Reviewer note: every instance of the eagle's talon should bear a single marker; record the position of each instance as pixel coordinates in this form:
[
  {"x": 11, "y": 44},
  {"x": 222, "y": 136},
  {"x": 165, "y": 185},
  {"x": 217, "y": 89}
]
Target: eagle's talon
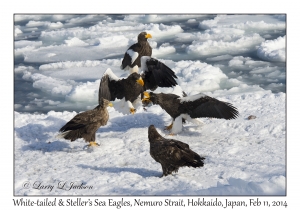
[
  {"x": 169, "y": 127},
  {"x": 93, "y": 144},
  {"x": 132, "y": 110}
]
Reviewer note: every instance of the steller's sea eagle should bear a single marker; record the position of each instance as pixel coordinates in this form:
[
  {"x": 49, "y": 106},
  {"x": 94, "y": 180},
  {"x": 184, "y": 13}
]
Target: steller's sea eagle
[
  {"x": 155, "y": 74},
  {"x": 132, "y": 57},
  {"x": 171, "y": 154},
  {"x": 190, "y": 107},
  {"x": 85, "y": 124}
]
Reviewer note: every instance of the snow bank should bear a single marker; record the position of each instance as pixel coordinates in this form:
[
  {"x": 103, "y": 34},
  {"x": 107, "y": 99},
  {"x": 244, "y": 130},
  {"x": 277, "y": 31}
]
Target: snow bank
[
  {"x": 252, "y": 23},
  {"x": 273, "y": 50},
  {"x": 196, "y": 77},
  {"x": 115, "y": 41},
  {"x": 159, "y": 18},
  {"x": 49, "y": 84},
  {"x": 210, "y": 47},
  {"x": 163, "y": 50},
  {"x": 47, "y": 24},
  {"x": 26, "y": 43},
  {"x": 87, "y": 93},
  {"x": 75, "y": 42}
]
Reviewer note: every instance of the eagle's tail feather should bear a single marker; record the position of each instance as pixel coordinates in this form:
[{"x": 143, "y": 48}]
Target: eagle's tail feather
[
  {"x": 197, "y": 161},
  {"x": 69, "y": 135}
]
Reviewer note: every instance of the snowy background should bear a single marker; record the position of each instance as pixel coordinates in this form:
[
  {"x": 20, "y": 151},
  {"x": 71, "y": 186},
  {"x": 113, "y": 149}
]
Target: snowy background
[{"x": 58, "y": 63}]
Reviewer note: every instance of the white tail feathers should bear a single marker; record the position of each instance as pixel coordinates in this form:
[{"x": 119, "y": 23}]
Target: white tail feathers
[
  {"x": 195, "y": 121},
  {"x": 62, "y": 135}
]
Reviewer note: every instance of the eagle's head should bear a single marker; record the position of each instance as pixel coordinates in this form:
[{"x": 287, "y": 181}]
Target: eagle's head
[
  {"x": 144, "y": 36},
  {"x": 153, "y": 135},
  {"x": 150, "y": 97},
  {"x": 105, "y": 103},
  {"x": 135, "y": 78}
]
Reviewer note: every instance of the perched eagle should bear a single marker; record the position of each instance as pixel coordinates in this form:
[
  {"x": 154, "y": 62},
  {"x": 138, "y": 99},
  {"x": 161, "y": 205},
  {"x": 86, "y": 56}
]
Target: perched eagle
[
  {"x": 155, "y": 74},
  {"x": 132, "y": 57},
  {"x": 190, "y": 107},
  {"x": 171, "y": 154},
  {"x": 84, "y": 125}
]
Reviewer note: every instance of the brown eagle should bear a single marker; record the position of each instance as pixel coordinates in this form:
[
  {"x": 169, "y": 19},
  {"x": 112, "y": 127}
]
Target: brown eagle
[
  {"x": 171, "y": 154},
  {"x": 85, "y": 124},
  {"x": 132, "y": 57}
]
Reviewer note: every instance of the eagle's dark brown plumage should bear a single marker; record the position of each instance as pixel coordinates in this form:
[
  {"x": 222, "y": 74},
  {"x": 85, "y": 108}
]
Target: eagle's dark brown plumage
[
  {"x": 155, "y": 74},
  {"x": 190, "y": 107},
  {"x": 132, "y": 57},
  {"x": 127, "y": 89},
  {"x": 171, "y": 154},
  {"x": 84, "y": 125}
]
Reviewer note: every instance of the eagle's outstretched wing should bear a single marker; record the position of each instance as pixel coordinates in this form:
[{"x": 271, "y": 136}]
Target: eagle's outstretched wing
[
  {"x": 156, "y": 74},
  {"x": 109, "y": 86},
  {"x": 201, "y": 105}
]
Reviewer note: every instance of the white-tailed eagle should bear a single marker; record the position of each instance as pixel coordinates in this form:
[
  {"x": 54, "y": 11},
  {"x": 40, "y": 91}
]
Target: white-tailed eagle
[
  {"x": 171, "y": 154},
  {"x": 85, "y": 124}
]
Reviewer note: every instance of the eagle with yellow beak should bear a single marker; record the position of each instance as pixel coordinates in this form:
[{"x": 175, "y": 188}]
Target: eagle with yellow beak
[
  {"x": 85, "y": 124},
  {"x": 132, "y": 57},
  {"x": 155, "y": 74},
  {"x": 190, "y": 107}
]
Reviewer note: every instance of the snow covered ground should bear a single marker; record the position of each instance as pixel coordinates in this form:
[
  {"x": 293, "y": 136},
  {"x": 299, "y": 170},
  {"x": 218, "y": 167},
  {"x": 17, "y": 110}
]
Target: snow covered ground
[
  {"x": 237, "y": 59},
  {"x": 243, "y": 157}
]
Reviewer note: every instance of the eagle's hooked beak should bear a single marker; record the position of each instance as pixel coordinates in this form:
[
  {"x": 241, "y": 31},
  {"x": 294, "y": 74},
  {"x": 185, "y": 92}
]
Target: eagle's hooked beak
[
  {"x": 110, "y": 104},
  {"x": 140, "y": 81},
  {"x": 148, "y": 36},
  {"x": 146, "y": 96}
]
